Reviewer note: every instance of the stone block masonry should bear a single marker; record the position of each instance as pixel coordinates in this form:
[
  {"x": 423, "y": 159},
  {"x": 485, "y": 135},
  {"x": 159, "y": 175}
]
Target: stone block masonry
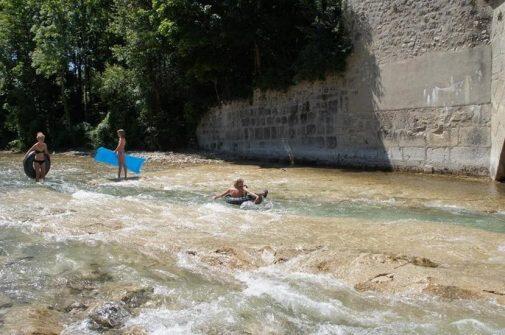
[
  {"x": 417, "y": 95},
  {"x": 497, "y": 157},
  {"x": 320, "y": 128}
]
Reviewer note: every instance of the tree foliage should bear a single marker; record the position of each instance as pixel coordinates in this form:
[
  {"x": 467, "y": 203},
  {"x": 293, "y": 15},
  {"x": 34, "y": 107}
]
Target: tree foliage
[{"x": 79, "y": 69}]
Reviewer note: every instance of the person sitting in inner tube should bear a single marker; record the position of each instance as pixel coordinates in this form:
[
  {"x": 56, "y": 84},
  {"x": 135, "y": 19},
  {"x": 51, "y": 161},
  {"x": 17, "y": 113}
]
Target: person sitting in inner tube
[
  {"x": 39, "y": 163},
  {"x": 239, "y": 194}
]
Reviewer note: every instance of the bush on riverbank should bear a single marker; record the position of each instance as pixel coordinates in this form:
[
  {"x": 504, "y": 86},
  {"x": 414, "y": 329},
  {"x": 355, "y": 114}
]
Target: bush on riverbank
[{"x": 80, "y": 70}]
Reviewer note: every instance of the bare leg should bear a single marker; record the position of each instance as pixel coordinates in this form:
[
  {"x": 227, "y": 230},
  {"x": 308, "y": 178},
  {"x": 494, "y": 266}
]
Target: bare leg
[
  {"x": 121, "y": 165},
  {"x": 42, "y": 168},
  {"x": 125, "y": 172},
  {"x": 37, "y": 172}
]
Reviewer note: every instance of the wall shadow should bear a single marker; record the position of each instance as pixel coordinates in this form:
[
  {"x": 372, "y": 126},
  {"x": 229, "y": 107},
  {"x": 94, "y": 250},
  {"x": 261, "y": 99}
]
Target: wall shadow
[
  {"x": 331, "y": 123},
  {"x": 363, "y": 130}
]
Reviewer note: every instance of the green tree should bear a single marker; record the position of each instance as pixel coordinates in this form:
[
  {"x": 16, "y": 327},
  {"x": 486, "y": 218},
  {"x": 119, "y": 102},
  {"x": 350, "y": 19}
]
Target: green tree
[
  {"x": 121, "y": 95},
  {"x": 28, "y": 100},
  {"x": 80, "y": 69},
  {"x": 73, "y": 44},
  {"x": 72, "y": 47},
  {"x": 150, "y": 57}
]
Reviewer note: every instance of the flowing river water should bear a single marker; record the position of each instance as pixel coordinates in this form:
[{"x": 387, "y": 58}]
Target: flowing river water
[{"x": 329, "y": 252}]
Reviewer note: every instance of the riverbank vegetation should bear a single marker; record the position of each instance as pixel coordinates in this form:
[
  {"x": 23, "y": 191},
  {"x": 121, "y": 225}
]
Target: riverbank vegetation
[{"x": 79, "y": 69}]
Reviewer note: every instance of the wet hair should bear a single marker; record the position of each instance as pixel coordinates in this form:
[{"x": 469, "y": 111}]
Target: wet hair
[
  {"x": 121, "y": 133},
  {"x": 236, "y": 182},
  {"x": 40, "y": 135}
]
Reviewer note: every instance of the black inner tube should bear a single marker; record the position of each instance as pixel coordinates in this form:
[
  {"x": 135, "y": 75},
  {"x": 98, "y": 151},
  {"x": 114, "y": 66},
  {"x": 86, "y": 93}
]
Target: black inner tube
[
  {"x": 28, "y": 164},
  {"x": 238, "y": 200}
]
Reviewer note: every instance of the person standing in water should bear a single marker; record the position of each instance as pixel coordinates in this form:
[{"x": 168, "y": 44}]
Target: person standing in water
[
  {"x": 39, "y": 163},
  {"x": 239, "y": 194},
  {"x": 120, "y": 152}
]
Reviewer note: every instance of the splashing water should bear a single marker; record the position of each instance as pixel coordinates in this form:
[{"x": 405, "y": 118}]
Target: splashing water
[{"x": 329, "y": 252}]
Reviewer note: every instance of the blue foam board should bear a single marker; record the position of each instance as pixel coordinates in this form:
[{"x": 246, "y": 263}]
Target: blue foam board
[{"x": 107, "y": 156}]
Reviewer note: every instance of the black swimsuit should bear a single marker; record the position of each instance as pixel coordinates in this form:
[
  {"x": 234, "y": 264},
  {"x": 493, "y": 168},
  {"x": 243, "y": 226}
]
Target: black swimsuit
[{"x": 36, "y": 160}]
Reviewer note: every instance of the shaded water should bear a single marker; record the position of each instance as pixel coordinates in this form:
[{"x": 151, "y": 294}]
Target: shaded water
[{"x": 290, "y": 266}]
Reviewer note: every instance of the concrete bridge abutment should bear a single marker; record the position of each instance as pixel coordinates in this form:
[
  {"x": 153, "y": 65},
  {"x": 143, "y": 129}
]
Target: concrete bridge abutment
[{"x": 424, "y": 91}]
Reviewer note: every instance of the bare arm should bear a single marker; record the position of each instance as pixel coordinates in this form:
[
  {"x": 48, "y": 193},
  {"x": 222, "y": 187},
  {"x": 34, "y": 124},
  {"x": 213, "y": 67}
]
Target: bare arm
[
  {"x": 222, "y": 195},
  {"x": 46, "y": 151},
  {"x": 30, "y": 150},
  {"x": 251, "y": 193},
  {"x": 118, "y": 146}
]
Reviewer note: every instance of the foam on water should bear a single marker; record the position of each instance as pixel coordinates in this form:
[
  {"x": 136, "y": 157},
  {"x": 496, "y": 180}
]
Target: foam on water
[
  {"x": 214, "y": 208},
  {"x": 394, "y": 328},
  {"x": 159, "y": 322},
  {"x": 81, "y": 327},
  {"x": 265, "y": 294},
  {"x": 455, "y": 209},
  {"x": 91, "y": 197},
  {"x": 473, "y": 326},
  {"x": 194, "y": 265},
  {"x": 284, "y": 295},
  {"x": 192, "y": 295},
  {"x": 250, "y": 205}
]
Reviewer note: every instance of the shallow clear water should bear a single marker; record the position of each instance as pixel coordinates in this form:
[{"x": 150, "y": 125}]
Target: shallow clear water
[{"x": 215, "y": 268}]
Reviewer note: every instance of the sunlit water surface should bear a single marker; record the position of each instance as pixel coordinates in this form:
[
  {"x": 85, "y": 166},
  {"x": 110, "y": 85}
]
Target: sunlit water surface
[{"x": 145, "y": 231}]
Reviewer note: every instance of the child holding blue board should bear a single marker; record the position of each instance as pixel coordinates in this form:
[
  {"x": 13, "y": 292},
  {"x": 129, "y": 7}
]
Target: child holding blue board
[
  {"x": 121, "y": 153},
  {"x": 119, "y": 158}
]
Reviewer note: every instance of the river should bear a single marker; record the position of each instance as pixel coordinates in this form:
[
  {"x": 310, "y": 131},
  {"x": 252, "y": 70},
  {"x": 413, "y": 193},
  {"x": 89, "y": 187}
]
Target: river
[{"x": 330, "y": 252}]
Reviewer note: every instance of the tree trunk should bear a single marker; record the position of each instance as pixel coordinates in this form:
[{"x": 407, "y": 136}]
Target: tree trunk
[
  {"x": 82, "y": 115},
  {"x": 217, "y": 92},
  {"x": 257, "y": 59}
]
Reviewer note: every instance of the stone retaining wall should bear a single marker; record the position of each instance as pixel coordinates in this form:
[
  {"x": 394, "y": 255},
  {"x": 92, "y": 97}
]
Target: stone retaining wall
[
  {"x": 416, "y": 95},
  {"x": 497, "y": 167}
]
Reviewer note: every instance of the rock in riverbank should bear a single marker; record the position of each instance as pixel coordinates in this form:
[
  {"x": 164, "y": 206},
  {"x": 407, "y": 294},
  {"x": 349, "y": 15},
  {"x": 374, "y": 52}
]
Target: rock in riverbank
[
  {"x": 38, "y": 320},
  {"x": 108, "y": 316},
  {"x": 131, "y": 295}
]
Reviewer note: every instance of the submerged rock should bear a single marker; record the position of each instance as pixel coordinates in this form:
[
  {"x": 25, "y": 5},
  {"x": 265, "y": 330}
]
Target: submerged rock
[
  {"x": 108, "y": 316},
  {"x": 134, "y": 330},
  {"x": 88, "y": 281},
  {"x": 376, "y": 283},
  {"x": 5, "y": 302},
  {"x": 76, "y": 306},
  {"x": 228, "y": 257},
  {"x": 32, "y": 321},
  {"x": 417, "y": 261},
  {"x": 131, "y": 295},
  {"x": 450, "y": 292},
  {"x": 137, "y": 297}
]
